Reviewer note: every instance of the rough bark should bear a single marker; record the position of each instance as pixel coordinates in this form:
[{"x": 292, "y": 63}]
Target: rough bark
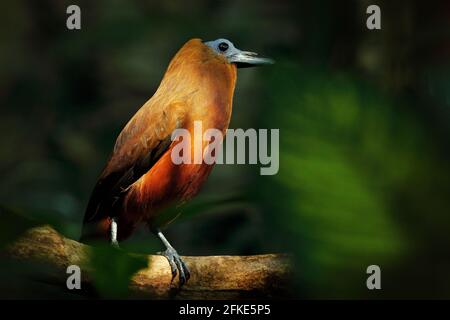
[{"x": 212, "y": 277}]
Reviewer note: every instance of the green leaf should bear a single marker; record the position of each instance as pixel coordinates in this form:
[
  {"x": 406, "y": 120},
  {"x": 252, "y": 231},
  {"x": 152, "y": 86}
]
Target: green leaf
[{"x": 112, "y": 270}]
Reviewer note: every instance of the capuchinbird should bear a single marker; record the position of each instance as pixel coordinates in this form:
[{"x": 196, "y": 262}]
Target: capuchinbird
[{"x": 140, "y": 178}]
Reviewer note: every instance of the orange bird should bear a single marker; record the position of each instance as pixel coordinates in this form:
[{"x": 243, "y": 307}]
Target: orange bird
[{"x": 140, "y": 178}]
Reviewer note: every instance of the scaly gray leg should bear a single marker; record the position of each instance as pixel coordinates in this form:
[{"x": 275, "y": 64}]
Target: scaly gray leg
[
  {"x": 174, "y": 259},
  {"x": 113, "y": 235}
]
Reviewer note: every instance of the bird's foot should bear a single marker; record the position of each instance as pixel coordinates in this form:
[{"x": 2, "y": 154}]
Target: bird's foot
[
  {"x": 177, "y": 265},
  {"x": 115, "y": 244}
]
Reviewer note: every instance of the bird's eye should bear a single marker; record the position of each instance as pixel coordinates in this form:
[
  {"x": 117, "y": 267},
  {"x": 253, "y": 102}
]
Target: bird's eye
[{"x": 223, "y": 46}]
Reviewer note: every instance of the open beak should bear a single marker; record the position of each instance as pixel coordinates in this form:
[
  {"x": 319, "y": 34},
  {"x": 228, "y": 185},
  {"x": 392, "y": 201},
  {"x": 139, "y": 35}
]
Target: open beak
[{"x": 245, "y": 59}]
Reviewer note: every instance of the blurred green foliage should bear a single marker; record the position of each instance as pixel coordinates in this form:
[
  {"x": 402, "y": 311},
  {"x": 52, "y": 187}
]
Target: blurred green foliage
[
  {"x": 364, "y": 119},
  {"x": 17, "y": 225},
  {"x": 113, "y": 269},
  {"x": 353, "y": 165}
]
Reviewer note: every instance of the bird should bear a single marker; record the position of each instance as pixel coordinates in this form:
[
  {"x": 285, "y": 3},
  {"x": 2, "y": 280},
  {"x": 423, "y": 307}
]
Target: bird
[{"x": 140, "y": 179}]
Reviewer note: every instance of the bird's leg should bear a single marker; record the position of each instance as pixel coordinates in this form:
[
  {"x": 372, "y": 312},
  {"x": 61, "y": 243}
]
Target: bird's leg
[
  {"x": 174, "y": 259},
  {"x": 113, "y": 235}
]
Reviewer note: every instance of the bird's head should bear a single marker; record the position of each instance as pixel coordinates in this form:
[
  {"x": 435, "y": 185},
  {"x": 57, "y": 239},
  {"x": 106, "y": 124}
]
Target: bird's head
[{"x": 242, "y": 59}]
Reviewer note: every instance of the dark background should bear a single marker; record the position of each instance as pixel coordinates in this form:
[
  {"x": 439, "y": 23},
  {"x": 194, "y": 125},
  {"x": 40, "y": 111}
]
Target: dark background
[{"x": 364, "y": 119}]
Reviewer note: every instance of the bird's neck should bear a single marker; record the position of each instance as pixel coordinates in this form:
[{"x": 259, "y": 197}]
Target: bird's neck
[{"x": 206, "y": 85}]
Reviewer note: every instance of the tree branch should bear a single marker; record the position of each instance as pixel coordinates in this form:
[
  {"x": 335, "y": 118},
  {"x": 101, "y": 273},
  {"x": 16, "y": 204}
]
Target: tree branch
[{"x": 212, "y": 277}]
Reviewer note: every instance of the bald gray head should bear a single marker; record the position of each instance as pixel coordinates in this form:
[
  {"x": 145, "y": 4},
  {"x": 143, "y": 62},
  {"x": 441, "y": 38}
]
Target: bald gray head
[{"x": 242, "y": 59}]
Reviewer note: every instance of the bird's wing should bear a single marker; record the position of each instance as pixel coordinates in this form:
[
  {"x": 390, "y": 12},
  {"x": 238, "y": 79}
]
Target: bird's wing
[{"x": 139, "y": 146}]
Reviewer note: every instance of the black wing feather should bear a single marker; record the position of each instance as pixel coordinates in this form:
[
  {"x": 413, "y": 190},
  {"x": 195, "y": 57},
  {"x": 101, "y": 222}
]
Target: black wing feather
[{"x": 111, "y": 187}]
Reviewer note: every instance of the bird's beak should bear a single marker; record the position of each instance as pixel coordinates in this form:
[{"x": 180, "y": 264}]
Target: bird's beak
[{"x": 245, "y": 59}]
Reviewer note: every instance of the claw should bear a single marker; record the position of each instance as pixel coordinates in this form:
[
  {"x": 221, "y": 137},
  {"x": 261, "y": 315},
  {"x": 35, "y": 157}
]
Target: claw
[
  {"x": 173, "y": 266},
  {"x": 177, "y": 266},
  {"x": 182, "y": 276},
  {"x": 187, "y": 272}
]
